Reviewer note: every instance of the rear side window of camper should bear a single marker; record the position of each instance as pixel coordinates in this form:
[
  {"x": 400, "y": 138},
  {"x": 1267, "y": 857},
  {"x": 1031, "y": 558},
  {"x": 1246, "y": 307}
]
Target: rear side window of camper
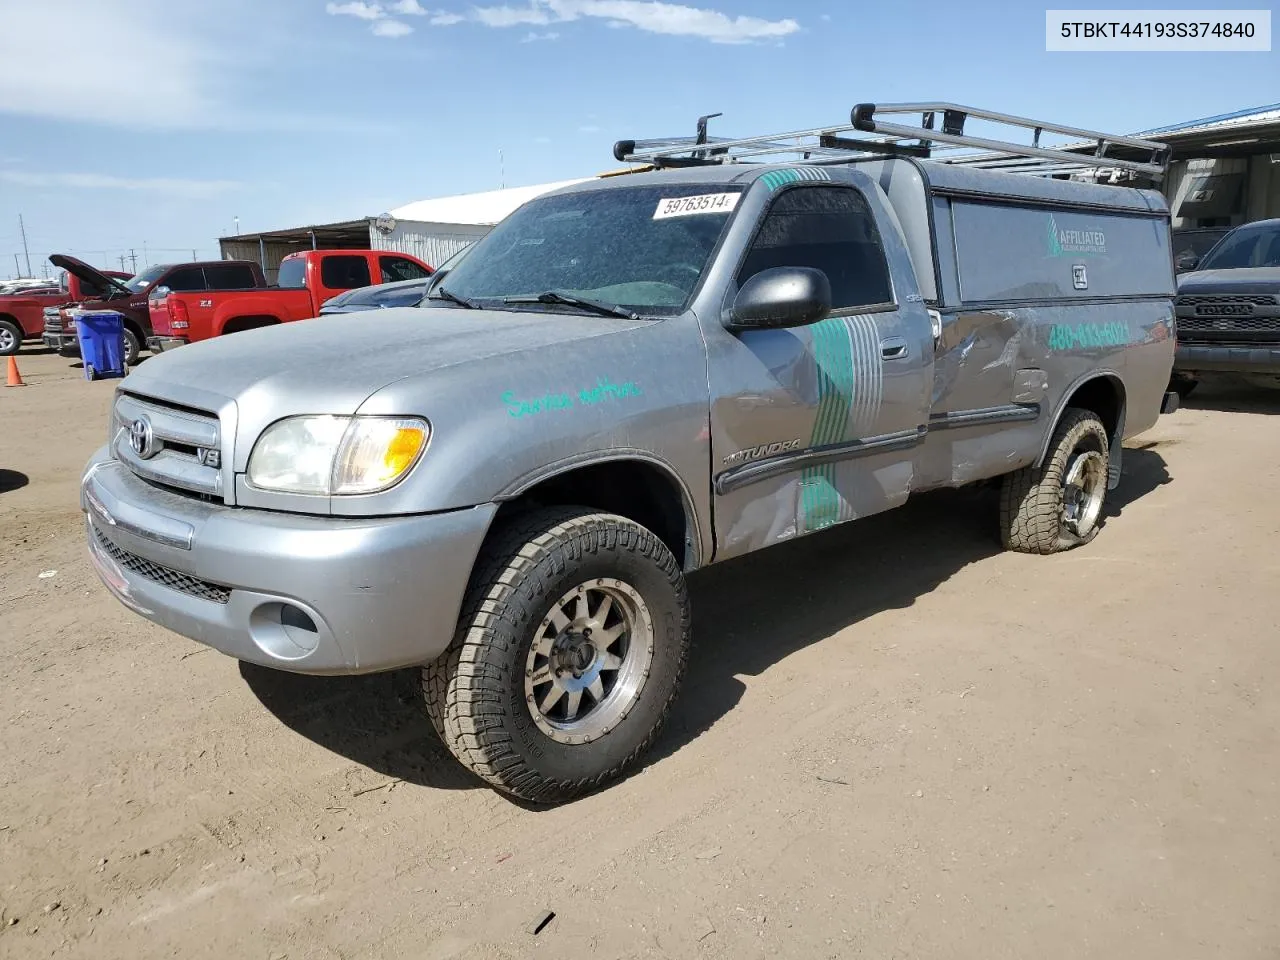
[{"x": 1011, "y": 253}]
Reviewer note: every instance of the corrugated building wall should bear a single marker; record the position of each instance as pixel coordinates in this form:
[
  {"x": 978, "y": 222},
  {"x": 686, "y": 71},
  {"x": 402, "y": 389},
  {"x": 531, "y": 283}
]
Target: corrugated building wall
[
  {"x": 249, "y": 250},
  {"x": 433, "y": 242}
]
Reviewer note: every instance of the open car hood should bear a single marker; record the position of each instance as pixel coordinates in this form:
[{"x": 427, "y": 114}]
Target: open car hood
[{"x": 86, "y": 273}]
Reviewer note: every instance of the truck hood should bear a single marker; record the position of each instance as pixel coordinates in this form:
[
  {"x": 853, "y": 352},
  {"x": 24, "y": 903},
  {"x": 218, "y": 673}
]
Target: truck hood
[
  {"x": 332, "y": 364},
  {"x": 86, "y": 273},
  {"x": 1252, "y": 280}
]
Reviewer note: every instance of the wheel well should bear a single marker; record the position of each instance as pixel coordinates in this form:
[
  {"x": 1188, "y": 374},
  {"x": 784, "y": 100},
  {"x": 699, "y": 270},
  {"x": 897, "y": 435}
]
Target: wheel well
[
  {"x": 1105, "y": 397},
  {"x": 634, "y": 489},
  {"x": 11, "y": 319},
  {"x": 239, "y": 324},
  {"x": 137, "y": 333}
]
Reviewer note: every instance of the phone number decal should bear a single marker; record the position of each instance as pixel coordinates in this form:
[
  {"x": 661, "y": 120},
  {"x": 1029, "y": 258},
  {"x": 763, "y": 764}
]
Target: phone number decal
[
  {"x": 703, "y": 203},
  {"x": 1121, "y": 30}
]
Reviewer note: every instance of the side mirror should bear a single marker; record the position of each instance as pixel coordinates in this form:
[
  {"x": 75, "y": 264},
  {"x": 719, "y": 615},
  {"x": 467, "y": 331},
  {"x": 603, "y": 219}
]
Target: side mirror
[
  {"x": 781, "y": 297},
  {"x": 1185, "y": 262},
  {"x": 159, "y": 293}
]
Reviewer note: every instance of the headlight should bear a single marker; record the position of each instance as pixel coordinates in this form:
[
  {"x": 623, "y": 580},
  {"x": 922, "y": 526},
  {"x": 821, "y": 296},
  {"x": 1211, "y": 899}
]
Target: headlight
[{"x": 337, "y": 455}]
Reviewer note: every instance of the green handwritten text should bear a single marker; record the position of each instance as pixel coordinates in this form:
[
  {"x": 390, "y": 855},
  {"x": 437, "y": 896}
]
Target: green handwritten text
[
  {"x": 602, "y": 391},
  {"x": 1085, "y": 336}
]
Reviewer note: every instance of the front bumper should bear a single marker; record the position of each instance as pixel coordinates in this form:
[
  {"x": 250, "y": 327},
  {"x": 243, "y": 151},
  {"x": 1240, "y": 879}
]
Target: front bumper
[
  {"x": 1227, "y": 358},
  {"x": 161, "y": 344},
  {"x": 62, "y": 342},
  {"x": 317, "y": 595}
]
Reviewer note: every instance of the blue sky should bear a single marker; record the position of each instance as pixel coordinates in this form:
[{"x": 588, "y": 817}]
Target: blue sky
[{"x": 126, "y": 123}]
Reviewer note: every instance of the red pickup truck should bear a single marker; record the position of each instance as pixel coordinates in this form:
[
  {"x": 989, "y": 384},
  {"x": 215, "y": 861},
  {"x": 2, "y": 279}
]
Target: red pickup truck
[
  {"x": 22, "y": 313},
  {"x": 306, "y": 280}
]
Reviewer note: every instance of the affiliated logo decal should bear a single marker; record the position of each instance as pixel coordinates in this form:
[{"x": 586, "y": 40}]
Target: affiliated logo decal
[
  {"x": 764, "y": 450},
  {"x": 142, "y": 439},
  {"x": 1061, "y": 241}
]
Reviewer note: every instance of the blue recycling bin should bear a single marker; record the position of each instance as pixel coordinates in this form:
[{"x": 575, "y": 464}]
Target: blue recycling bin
[{"x": 101, "y": 336}]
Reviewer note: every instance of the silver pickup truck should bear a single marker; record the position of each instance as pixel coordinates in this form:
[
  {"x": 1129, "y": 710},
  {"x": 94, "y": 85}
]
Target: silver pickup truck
[{"x": 625, "y": 381}]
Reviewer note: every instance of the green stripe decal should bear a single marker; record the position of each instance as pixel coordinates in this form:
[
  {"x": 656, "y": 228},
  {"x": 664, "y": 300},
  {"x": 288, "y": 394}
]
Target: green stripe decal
[{"x": 820, "y": 502}]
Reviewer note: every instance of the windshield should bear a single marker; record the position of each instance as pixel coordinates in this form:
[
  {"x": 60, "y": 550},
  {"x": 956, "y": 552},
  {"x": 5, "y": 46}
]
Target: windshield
[
  {"x": 639, "y": 247},
  {"x": 145, "y": 279},
  {"x": 1246, "y": 247}
]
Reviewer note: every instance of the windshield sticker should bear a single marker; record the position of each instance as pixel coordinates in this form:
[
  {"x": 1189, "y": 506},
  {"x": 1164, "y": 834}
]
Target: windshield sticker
[
  {"x": 603, "y": 390},
  {"x": 689, "y": 206}
]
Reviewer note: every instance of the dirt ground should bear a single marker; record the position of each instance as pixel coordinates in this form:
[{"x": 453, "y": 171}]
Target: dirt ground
[{"x": 894, "y": 741}]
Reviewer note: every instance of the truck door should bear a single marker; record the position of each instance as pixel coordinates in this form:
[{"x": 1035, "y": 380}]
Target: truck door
[{"x": 816, "y": 425}]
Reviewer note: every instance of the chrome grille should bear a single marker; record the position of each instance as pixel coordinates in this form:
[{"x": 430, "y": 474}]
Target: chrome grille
[
  {"x": 165, "y": 576},
  {"x": 185, "y": 451},
  {"x": 1228, "y": 324},
  {"x": 1193, "y": 300}
]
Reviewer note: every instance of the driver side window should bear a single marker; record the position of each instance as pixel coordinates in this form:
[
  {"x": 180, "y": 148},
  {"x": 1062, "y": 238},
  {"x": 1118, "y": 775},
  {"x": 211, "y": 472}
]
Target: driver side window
[{"x": 830, "y": 229}]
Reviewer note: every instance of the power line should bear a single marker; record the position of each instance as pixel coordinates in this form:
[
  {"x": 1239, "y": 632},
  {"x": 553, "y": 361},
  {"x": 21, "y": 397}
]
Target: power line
[{"x": 23, "y": 230}]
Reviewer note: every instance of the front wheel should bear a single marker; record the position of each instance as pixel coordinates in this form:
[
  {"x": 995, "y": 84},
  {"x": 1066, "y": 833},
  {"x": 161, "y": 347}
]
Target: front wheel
[
  {"x": 569, "y": 653},
  {"x": 131, "y": 348},
  {"x": 10, "y": 338},
  {"x": 1058, "y": 505}
]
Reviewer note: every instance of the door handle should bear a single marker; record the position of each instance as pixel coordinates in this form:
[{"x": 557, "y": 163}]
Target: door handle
[{"x": 893, "y": 348}]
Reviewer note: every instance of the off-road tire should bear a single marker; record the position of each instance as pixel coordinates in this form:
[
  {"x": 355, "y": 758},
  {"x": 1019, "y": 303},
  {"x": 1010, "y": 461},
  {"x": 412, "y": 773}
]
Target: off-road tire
[
  {"x": 1031, "y": 498},
  {"x": 13, "y": 339},
  {"x": 475, "y": 693},
  {"x": 131, "y": 348}
]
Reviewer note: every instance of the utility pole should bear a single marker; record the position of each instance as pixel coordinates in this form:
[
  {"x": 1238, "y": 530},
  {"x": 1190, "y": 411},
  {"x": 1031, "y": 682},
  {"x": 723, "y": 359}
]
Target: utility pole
[
  {"x": 17, "y": 270},
  {"x": 502, "y": 171},
  {"x": 25, "y": 251},
  {"x": 122, "y": 259},
  {"x": 146, "y": 260},
  {"x": 193, "y": 256},
  {"x": 133, "y": 260}
]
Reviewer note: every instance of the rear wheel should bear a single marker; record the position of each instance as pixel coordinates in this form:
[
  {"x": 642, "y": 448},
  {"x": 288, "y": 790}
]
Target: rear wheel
[
  {"x": 10, "y": 338},
  {"x": 569, "y": 652},
  {"x": 1058, "y": 505}
]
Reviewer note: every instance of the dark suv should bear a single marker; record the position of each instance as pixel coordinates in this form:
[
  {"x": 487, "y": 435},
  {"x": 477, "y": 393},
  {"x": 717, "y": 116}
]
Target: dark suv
[{"x": 1228, "y": 308}]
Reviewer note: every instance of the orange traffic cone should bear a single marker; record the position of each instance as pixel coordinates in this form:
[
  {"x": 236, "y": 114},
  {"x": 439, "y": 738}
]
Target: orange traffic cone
[{"x": 15, "y": 378}]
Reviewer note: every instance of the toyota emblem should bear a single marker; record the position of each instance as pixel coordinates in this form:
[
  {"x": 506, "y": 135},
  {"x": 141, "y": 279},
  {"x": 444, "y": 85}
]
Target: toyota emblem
[{"x": 142, "y": 439}]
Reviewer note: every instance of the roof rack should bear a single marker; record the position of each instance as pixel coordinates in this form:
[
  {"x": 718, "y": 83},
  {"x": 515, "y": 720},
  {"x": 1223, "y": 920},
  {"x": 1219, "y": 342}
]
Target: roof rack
[{"x": 833, "y": 144}]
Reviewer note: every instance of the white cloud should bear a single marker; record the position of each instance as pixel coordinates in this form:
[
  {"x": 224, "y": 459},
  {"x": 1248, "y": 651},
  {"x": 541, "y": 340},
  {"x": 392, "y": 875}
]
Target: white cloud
[
  {"x": 166, "y": 80},
  {"x": 652, "y": 16},
  {"x": 512, "y": 16},
  {"x": 533, "y": 36},
  {"x": 390, "y": 28},
  {"x": 446, "y": 19},
  {"x": 177, "y": 187},
  {"x": 408, "y": 8},
  {"x": 356, "y": 8}
]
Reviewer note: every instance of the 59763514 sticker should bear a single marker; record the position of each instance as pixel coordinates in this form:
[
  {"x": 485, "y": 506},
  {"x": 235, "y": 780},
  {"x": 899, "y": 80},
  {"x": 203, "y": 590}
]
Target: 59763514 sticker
[{"x": 689, "y": 206}]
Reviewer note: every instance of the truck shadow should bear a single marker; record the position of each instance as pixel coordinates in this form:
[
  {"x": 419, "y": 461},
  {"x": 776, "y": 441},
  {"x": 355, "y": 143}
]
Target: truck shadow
[
  {"x": 749, "y": 614},
  {"x": 376, "y": 720},
  {"x": 754, "y": 612},
  {"x": 1231, "y": 394}
]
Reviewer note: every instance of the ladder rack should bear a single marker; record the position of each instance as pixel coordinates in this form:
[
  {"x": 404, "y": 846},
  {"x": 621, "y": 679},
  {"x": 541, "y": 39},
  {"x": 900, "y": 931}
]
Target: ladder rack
[{"x": 873, "y": 136}]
